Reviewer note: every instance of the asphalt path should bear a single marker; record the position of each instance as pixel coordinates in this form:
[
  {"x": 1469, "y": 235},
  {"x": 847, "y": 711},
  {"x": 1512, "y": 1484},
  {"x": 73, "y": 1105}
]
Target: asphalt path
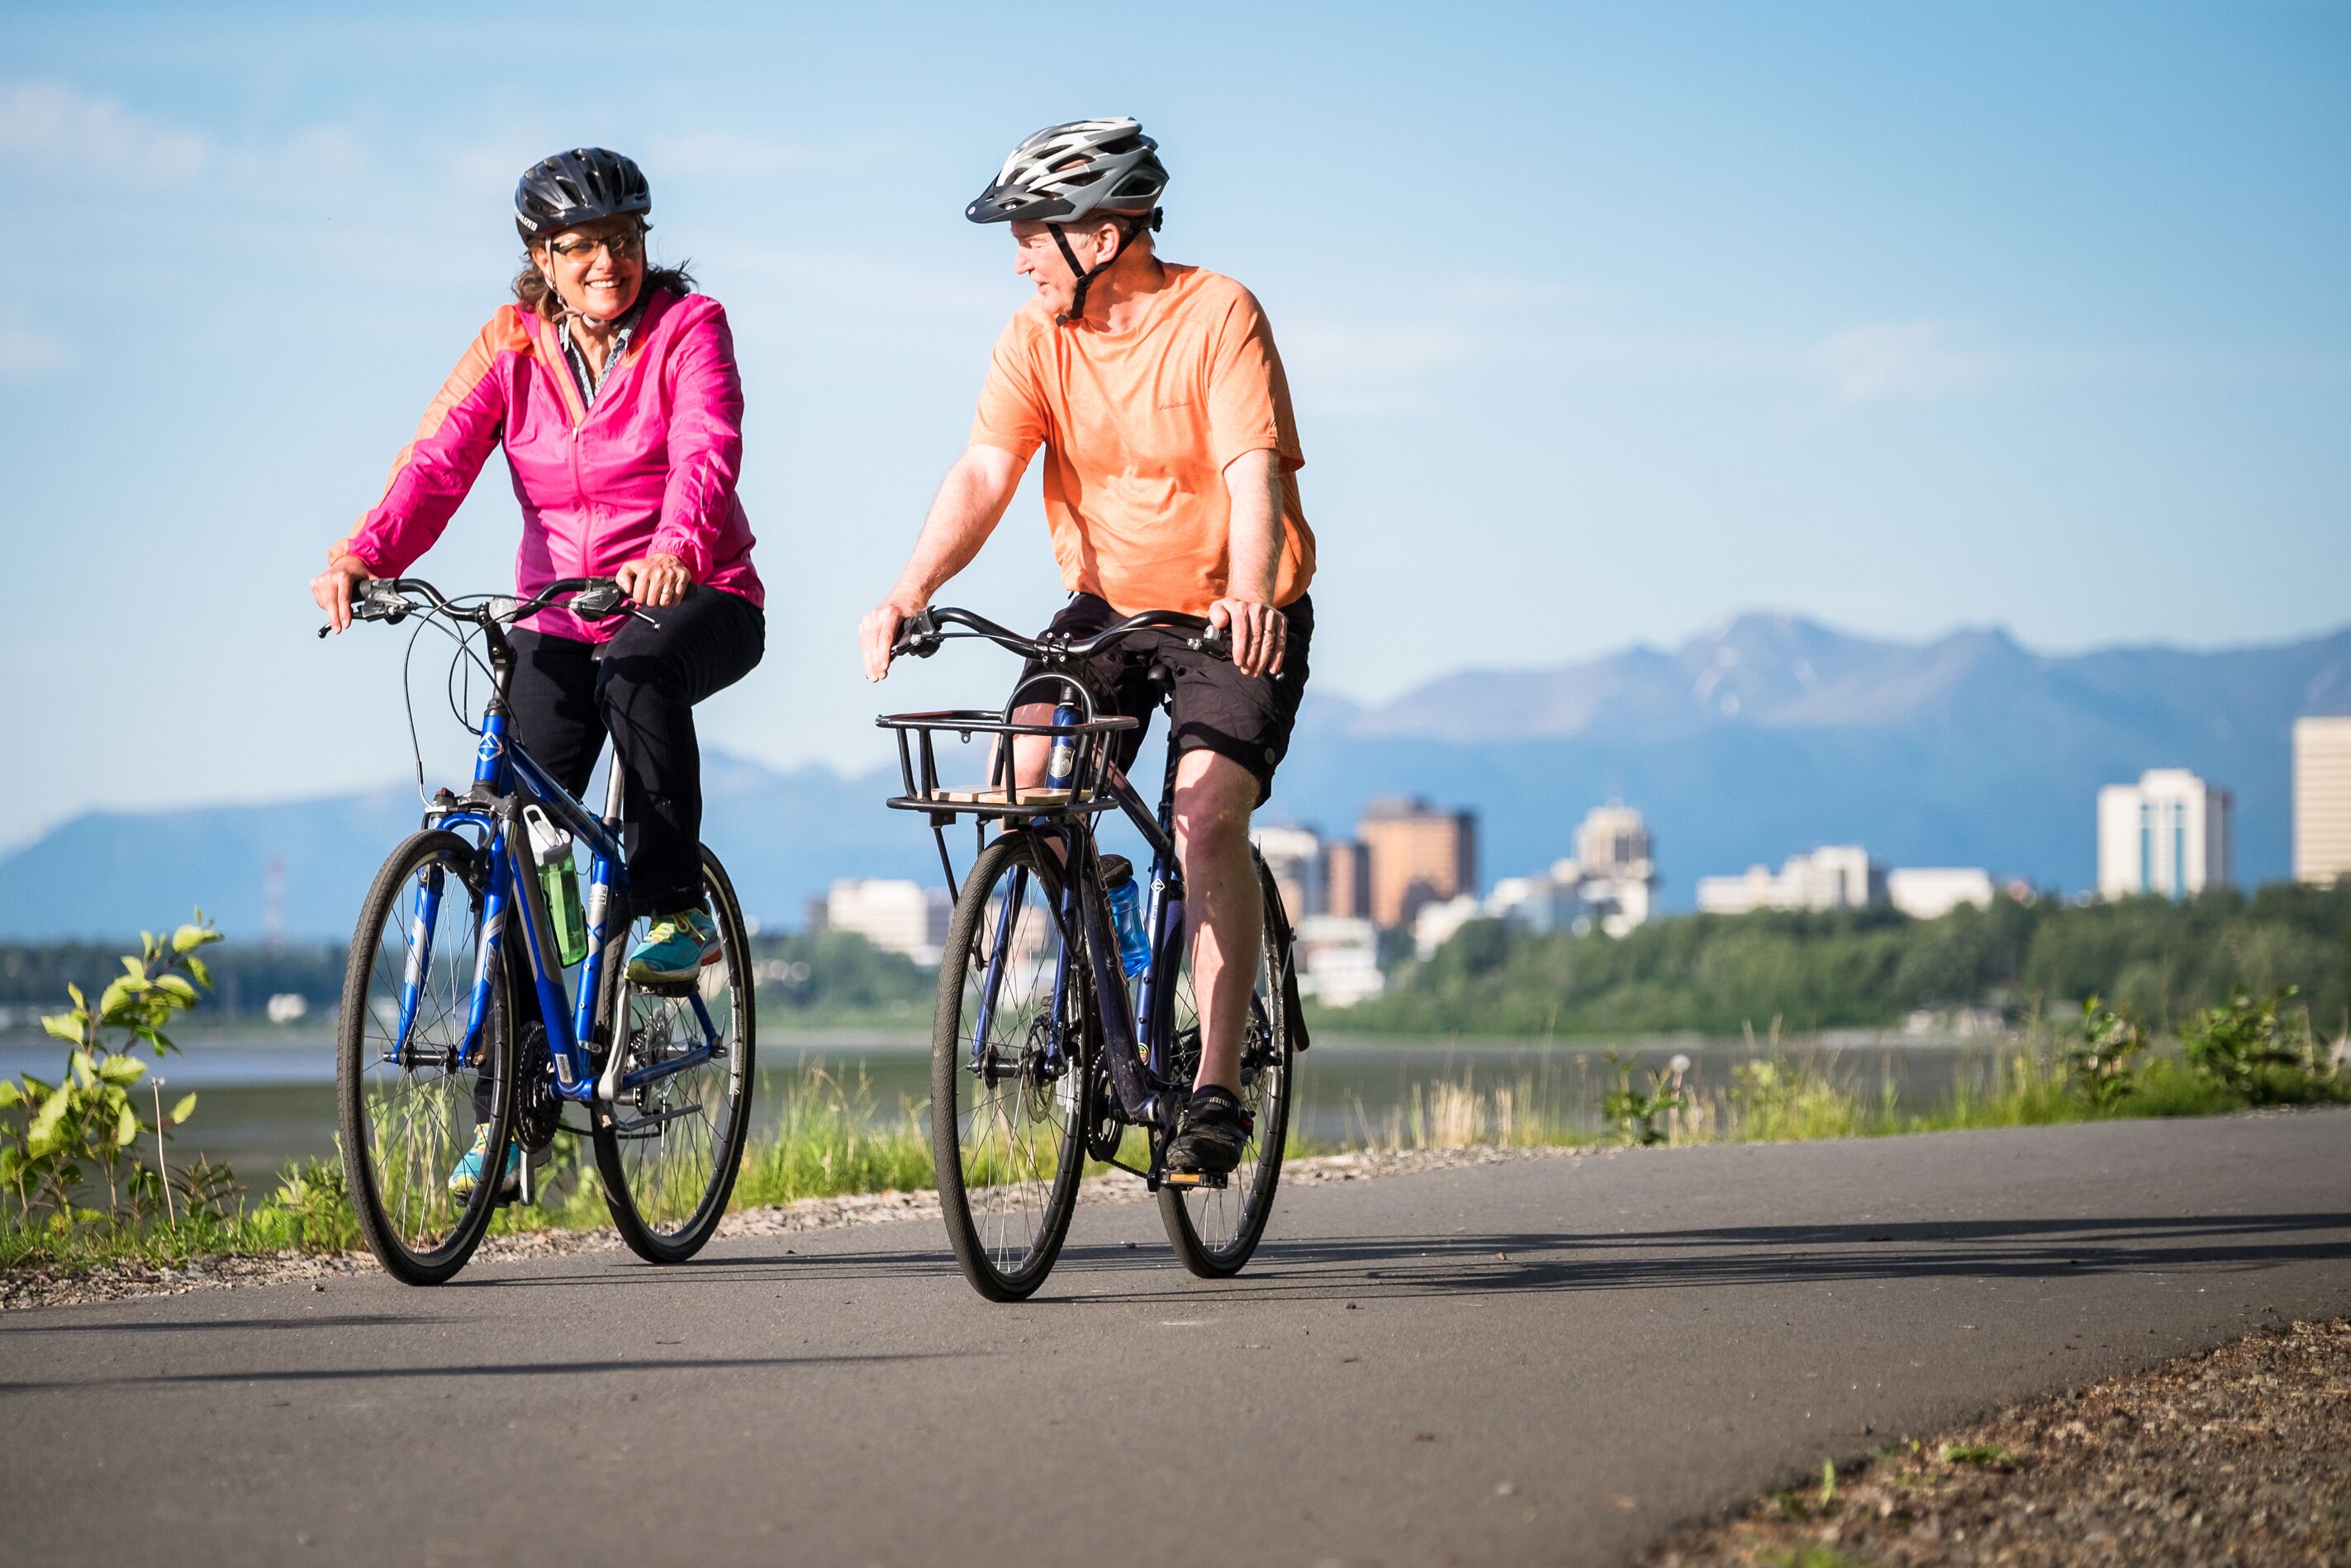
[{"x": 1551, "y": 1360}]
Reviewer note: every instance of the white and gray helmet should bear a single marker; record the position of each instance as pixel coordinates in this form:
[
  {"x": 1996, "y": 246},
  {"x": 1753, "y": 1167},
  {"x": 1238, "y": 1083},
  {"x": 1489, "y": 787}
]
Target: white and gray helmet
[{"x": 1065, "y": 173}]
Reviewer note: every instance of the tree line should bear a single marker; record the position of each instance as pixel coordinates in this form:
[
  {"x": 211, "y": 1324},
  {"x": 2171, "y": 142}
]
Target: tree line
[{"x": 2161, "y": 961}]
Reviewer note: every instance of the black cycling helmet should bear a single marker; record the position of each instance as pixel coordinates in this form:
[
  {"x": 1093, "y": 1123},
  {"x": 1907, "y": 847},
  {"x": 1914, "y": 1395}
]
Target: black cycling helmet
[
  {"x": 579, "y": 187},
  {"x": 1068, "y": 172}
]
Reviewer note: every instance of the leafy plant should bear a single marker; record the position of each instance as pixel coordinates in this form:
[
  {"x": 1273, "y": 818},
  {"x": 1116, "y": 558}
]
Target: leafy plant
[
  {"x": 2102, "y": 1062},
  {"x": 1635, "y": 1112},
  {"x": 314, "y": 1205},
  {"x": 88, "y": 1127},
  {"x": 2235, "y": 1044}
]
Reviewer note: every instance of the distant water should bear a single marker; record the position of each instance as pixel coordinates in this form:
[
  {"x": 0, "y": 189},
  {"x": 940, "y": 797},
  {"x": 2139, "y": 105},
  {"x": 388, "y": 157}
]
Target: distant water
[{"x": 265, "y": 1097}]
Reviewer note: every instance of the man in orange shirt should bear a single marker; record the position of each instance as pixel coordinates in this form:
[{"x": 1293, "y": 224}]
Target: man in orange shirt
[{"x": 1171, "y": 457}]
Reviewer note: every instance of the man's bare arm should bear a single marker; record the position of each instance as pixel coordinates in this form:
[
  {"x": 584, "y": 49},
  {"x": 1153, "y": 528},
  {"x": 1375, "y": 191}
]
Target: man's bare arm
[
  {"x": 1260, "y": 630},
  {"x": 970, "y": 503}
]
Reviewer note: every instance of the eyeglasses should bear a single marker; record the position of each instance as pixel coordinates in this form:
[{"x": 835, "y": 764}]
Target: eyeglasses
[{"x": 625, "y": 247}]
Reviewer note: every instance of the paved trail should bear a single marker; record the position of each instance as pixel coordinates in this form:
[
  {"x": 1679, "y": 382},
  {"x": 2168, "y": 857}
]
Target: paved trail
[{"x": 1552, "y": 1361}]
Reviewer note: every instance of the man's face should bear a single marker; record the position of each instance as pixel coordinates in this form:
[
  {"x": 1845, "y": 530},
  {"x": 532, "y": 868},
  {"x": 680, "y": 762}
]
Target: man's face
[{"x": 1036, "y": 257}]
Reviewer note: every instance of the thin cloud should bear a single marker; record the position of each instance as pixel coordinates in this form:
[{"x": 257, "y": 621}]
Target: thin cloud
[
  {"x": 52, "y": 126},
  {"x": 1882, "y": 360},
  {"x": 1370, "y": 367},
  {"x": 27, "y": 355}
]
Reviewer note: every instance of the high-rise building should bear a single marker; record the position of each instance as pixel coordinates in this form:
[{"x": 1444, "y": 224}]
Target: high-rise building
[
  {"x": 2169, "y": 833},
  {"x": 1346, "y": 880},
  {"x": 1419, "y": 855},
  {"x": 896, "y": 916},
  {"x": 1294, "y": 856},
  {"x": 1615, "y": 871},
  {"x": 2322, "y": 798}
]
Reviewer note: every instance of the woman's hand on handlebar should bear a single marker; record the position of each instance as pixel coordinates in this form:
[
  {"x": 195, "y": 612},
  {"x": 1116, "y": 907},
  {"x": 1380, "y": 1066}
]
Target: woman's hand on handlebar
[
  {"x": 655, "y": 580},
  {"x": 1260, "y": 634},
  {"x": 877, "y": 633},
  {"x": 333, "y": 588}
]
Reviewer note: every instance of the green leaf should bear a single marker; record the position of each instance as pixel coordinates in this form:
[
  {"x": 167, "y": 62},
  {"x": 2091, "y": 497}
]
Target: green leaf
[
  {"x": 173, "y": 986},
  {"x": 43, "y": 1129},
  {"x": 201, "y": 972},
  {"x": 126, "y": 1127},
  {"x": 84, "y": 1068},
  {"x": 117, "y": 993},
  {"x": 133, "y": 967},
  {"x": 183, "y": 1109},
  {"x": 65, "y": 1027},
  {"x": 10, "y": 1094},
  {"x": 121, "y": 1068},
  {"x": 188, "y": 938},
  {"x": 80, "y": 1000}
]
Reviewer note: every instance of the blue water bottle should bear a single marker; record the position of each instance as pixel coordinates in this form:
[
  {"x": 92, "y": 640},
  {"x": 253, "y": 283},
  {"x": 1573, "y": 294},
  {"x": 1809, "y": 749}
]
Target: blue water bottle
[{"x": 1126, "y": 914}]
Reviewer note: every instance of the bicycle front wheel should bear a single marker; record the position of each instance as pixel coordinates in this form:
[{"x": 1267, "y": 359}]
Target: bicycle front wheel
[
  {"x": 409, "y": 1104},
  {"x": 1010, "y": 1066},
  {"x": 1216, "y": 1229},
  {"x": 669, "y": 1143}
]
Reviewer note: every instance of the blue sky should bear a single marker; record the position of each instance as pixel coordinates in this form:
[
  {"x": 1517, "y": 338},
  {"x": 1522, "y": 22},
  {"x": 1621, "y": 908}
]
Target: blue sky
[{"x": 1605, "y": 323}]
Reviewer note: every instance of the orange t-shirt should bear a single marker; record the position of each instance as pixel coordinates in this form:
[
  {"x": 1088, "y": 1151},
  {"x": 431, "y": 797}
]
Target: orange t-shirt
[{"x": 1138, "y": 427}]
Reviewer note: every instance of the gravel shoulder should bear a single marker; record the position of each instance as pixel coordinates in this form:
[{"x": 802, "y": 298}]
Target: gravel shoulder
[
  {"x": 48, "y": 1287},
  {"x": 2238, "y": 1455}
]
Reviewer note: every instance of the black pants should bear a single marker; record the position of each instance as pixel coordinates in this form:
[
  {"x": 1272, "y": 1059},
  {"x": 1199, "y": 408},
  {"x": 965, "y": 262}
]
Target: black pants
[{"x": 642, "y": 691}]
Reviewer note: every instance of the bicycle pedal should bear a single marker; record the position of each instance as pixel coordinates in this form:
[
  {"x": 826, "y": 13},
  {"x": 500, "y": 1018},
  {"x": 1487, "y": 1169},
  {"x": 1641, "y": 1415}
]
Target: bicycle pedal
[
  {"x": 1213, "y": 1181},
  {"x": 664, "y": 988}
]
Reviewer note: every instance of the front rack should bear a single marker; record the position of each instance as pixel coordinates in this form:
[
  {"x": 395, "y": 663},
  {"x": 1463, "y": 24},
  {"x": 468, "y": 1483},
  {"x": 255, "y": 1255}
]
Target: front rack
[{"x": 1090, "y": 741}]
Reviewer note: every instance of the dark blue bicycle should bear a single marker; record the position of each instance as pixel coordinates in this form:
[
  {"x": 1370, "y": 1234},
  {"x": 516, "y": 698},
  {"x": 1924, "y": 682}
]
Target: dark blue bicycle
[
  {"x": 455, "y": 1035},
  {"x": 1041, "y": 1054}
]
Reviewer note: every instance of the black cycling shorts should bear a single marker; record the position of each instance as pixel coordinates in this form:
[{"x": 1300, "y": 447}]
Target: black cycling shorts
[{"x": 1217, "y": 708}]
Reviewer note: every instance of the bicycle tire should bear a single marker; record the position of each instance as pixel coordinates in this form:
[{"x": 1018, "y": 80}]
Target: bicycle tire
[
  {"x": 667, "y": 1194},
  {"x": 1215, "y": 1230},
  {"x": 402, "y": 1131},
  {"x": 1007, "y": 1248}
]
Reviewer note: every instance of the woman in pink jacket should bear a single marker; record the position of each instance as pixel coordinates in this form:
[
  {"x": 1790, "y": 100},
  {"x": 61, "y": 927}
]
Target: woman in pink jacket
[{"x": 612, "y": 386}]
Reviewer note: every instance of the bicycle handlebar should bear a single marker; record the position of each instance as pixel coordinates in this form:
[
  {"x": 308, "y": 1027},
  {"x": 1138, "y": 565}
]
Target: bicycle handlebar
[
  {"x": 925, "y": 633},
  {"x": 390, "y": 600}
]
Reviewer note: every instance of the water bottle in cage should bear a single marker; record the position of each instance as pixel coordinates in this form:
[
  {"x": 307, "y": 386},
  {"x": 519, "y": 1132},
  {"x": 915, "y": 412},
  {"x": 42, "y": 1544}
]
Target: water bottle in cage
[{"x": 1062, "y": 767}]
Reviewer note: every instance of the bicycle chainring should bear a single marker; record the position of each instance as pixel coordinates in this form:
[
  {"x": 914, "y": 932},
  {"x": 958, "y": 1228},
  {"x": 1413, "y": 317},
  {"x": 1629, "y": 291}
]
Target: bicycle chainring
[{"x": 537, "y": 1109}]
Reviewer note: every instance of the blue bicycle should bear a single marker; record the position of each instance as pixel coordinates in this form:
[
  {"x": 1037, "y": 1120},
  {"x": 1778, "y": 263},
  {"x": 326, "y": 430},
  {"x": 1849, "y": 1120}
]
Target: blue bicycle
[
  {"x": 1041, "y": 1054},
  {"x": 454, "y": 1037}
]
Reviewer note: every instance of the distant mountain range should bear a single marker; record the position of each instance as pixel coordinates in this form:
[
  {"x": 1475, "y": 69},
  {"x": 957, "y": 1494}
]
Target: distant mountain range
[{"x": 1766, "y": 737}]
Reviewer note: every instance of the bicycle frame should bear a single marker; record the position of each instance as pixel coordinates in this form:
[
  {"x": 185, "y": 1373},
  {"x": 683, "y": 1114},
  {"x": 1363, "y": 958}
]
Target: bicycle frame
[
  {"x": 505, "y": 780},
  {"x": 1139, "y": 1031}
]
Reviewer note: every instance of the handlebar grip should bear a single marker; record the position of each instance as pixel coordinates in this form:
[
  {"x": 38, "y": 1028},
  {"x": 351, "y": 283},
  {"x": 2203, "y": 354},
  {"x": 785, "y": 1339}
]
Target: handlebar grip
[{"x": 918, "y": 636}]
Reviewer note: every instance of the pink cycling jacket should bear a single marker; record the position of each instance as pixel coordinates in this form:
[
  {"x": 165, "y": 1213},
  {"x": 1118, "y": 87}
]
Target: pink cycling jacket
[{"x": 651, "y": 467}]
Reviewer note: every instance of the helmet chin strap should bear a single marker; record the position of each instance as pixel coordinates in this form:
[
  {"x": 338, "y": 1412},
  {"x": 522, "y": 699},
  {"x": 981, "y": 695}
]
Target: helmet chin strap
[{"x": 1085, "y": 278}]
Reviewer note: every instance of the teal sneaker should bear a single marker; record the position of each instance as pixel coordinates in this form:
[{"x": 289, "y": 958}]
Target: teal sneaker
[
  {"x": 675, "y": 949},
  {"x": 468, "y": 1175}
]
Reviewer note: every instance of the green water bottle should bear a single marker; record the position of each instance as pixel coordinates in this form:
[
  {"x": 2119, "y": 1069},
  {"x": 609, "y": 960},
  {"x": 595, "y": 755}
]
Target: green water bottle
[{"x": 550, "y": 851}]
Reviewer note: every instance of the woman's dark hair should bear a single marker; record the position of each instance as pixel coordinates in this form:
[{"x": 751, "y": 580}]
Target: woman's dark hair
[{"x": 538, "y": 296}]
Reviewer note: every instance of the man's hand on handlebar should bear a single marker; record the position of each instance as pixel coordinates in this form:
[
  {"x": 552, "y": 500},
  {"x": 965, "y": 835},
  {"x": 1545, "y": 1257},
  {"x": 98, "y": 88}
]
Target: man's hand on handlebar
[
  {"x": 877, "y": 633},
  {"x": 1260, "y": 634},
  {"x": 655, "y": 580},
  {"x": 332, "y": 589}
]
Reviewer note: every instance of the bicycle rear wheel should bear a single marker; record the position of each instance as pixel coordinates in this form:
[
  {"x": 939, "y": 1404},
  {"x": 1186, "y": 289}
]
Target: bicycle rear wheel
[
  {"x": 668, "y": 1149},
  {"x": 1010, "y": 1066},
  {"x": 1215, "y": 1230},
  {"x": 407, "y": 1108}
]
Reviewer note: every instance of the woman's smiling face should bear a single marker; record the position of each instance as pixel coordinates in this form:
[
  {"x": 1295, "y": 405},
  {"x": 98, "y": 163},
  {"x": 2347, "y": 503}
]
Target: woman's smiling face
[{"x": 598, "y": 269}]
